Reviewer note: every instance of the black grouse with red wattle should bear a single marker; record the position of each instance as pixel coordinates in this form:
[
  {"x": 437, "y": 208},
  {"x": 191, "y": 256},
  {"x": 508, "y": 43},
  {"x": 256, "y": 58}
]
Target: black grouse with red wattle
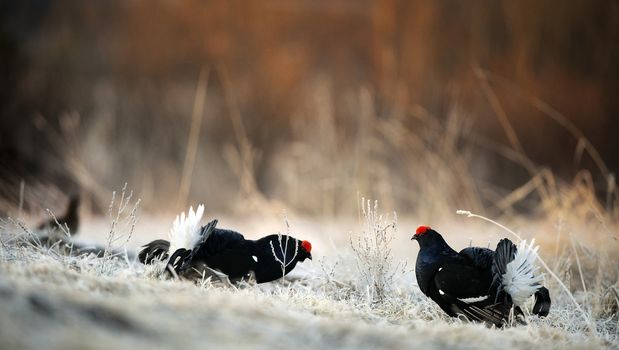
[
  {"x": 227, "y": 251},
  {"x": 479, "y": 283}
]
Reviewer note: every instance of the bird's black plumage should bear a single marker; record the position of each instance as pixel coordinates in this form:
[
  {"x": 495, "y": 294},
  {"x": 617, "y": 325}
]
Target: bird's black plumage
[
  {"x": 229, "y": 252},
  {"x": 155, "y": 250},
  {"x": 449, "y": 278},
  {"x": 542, "y": 302},
  {"x": 69, "y": 220},
  {"x": 53, "y": 234},
  {"x": 288, "y": 252}
]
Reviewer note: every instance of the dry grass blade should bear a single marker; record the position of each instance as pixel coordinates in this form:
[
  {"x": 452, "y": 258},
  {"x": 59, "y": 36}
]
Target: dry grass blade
[
  {"x": 194, "y": 134},
  {"x": 123, "y": 214},
  {"x": 499, "y": 111},
  {"x": 286, "y": 260},
  {"x": 372, "y": 249},
  {"x": 548, "y": 110}
]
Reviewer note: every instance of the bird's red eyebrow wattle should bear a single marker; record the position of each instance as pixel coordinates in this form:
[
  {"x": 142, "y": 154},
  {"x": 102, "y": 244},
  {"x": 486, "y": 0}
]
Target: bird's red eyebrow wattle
[
  {"x": 307, "y": 246},
  {"x": 421, "y": 230}
]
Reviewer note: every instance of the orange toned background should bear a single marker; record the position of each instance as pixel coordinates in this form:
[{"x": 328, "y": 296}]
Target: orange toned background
[{"x": 306, "y": 103}]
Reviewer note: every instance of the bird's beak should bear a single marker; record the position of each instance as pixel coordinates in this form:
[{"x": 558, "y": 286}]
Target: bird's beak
[
  {"x": 309, "y": 256},
  {"x": 414, "y": 238}
]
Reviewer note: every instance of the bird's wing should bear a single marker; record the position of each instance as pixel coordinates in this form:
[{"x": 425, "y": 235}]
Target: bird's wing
[
  {"x": 493, "y": 313},
  {"x": 479, "y": 257},
  {"x": 485, "y": 310},
  {"x": 462, "y": 281},
  {"x": 157, "y": 249},
  {"x": 235, "y": 262},
  {"x": 218, "y": 241},
  {"x": 465, "y": 290},
  {"x": 181, "y": 259},
  {"x": 206, "y": 233}
]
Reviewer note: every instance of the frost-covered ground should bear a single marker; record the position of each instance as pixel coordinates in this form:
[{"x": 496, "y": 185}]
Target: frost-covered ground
[{"x": 52, "y": 301}]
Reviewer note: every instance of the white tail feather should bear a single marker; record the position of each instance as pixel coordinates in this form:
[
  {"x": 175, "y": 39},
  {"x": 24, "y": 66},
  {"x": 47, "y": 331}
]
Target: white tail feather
[
  {"x": 185, "y": 232},
  {"x": 519, "y": 279}
]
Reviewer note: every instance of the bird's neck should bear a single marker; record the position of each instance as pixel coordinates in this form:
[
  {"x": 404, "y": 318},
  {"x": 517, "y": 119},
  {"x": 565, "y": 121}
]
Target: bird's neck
[{"x": 435, "y": 244}]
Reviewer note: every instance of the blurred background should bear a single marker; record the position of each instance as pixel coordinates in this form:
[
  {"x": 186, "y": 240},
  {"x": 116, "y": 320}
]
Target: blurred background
[{"x": 506, "y": 108}]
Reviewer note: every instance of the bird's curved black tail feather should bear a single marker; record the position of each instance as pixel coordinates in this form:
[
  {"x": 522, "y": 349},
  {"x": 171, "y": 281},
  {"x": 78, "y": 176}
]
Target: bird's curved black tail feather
[
  {"x": 179, "y": 259},
  {"x": 206, "y": 233},
  {"x": 542, "y": 302},
  {"x": 155, "y": 250},
  {"x": 505, "y": 253}
]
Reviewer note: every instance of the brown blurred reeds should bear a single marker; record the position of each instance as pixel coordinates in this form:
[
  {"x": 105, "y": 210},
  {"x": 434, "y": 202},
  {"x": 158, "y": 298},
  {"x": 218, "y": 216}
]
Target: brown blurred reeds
[{"x": 425, "y": 107}]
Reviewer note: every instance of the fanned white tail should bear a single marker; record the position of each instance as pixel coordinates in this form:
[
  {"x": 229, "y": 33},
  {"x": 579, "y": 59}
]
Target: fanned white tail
[
  {"x": 519, "y": 279},
  {"x": 185, "y": 232}
]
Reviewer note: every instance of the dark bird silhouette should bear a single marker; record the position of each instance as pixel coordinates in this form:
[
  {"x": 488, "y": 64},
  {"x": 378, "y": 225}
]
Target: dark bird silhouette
[
  {"x": 155, "y": 250},
  {"x": 50, "y": 235},
  {"x": 481, "y": 284},
  {"x": 69, "y": 220},
  {"x": 194, "y": 247}
]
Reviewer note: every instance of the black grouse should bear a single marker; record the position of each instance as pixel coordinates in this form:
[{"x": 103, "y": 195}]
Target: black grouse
[
  {"x": 50, "y": 235},
  {"x": 54, "y": 234},
  {"x": 481, "y": 284},
  {"x": 192, "y": 247},
  {"x": 69, "y": 220}
]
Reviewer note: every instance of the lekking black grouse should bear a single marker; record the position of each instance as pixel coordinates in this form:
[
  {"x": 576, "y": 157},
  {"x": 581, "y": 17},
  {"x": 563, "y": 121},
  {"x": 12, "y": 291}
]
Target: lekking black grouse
[
  {"x": 69, "y": 220},
  {"x": 58, "y": 233},
  {"x": 192, "y": 246},
  {"x": 479, "y": 283}
]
